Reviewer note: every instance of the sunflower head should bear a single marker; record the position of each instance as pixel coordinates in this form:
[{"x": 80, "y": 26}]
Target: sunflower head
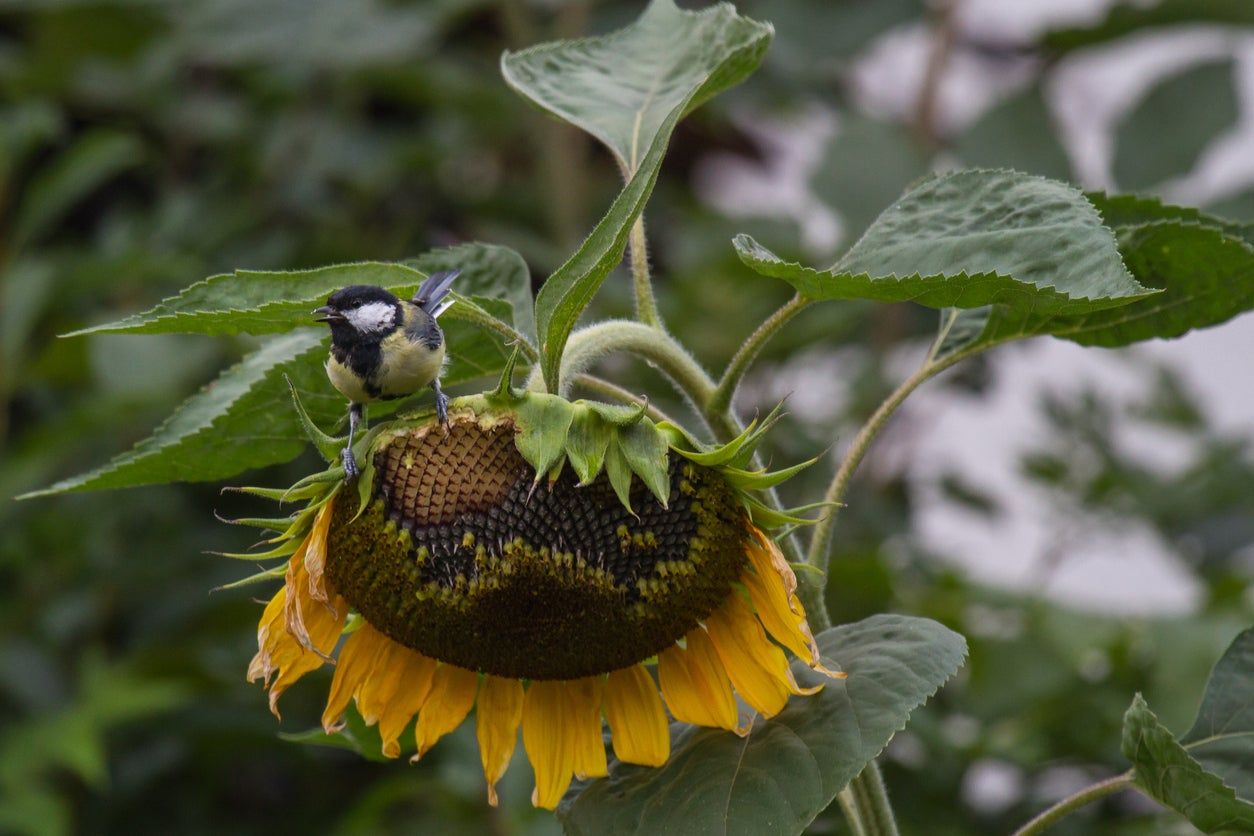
[{"x": 567, "y": 545}]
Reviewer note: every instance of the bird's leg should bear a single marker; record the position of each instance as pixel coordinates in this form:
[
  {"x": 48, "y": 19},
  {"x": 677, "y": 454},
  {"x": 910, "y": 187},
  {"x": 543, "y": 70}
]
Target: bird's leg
[
  {"x": 441, "y": 404},
  {"x": 356, "y": 414}
]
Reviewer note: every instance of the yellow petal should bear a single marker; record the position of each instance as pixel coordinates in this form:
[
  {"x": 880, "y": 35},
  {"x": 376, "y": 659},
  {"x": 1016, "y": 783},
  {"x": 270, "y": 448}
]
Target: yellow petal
[
  {"x": 547, "y": 737},
  {"x": 353, "y": 668},
  {"x": 415, "y": 676},
  {"x": 279, "y": 650},
  {"x": 587, "y": 742},
  {"x": 498, "y": 713},
  {"x": 637, "y": 720},
  {"x": 314, "y": 624},
  {"x": 452, "y": 695},
  {"x": 695, "y": 685},
  {"x": 772, "y": 587},
  {"x": 758, "y": 669},
  {"x": 316, "y": 552}
]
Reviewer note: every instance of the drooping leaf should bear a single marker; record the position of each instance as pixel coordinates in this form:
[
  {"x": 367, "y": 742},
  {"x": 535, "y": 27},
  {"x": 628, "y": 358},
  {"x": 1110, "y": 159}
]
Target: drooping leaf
[
  {"x": 1165, "y": 771},
  {"x": 789, "y": 768},
  {"x": 1206, "y": 277},
  {"x": 256, "y": 302},
  {"x": 970, "y": 239},
  {"x": 1169, "y": 129},
  {"x": 628, "y": 89},
  {"x": 1127, "y": 18},
  {"x": 1222, "y": 737},
  {"x": 244, "y": 419}
]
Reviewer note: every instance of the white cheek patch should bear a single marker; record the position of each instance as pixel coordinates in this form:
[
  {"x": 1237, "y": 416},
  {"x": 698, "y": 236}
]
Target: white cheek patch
[{"x": 372, "y": 317}]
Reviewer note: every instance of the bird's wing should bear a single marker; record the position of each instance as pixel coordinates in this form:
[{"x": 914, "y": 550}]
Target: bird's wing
[{"x": 431, "y": 295}]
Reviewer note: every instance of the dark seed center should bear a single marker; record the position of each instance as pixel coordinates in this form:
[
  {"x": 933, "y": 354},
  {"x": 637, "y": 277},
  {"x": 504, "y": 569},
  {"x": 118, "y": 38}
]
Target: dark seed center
[{"x": 460, "y": 556}]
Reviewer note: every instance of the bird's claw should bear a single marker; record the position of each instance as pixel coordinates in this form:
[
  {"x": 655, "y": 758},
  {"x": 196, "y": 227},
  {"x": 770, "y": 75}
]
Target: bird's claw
[
  {"x": 441, "y": 411},
  {"x": 351, "y": 470}
]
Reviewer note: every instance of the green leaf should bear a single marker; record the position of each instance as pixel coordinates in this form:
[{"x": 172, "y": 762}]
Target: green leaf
[
  {"x": 257, "y": 302},
  {"x": 1222, "y": 737},
  {"x": 1169, "y": 129},
  {"x": 490, "y": 271},
  {"x": 1204, "y": 270},
  {"x": 629, "y": 89},
  {"x": 789, "y": 768},
  {"x": 1121, "y": 210},
  {"x": 356, "y": 736},
  {"x": 1128, "y": 18},
  {"x": 970, "y": 239},
  {"x": 242, "y": 420},
  {"x": 1165, "y": 771}
]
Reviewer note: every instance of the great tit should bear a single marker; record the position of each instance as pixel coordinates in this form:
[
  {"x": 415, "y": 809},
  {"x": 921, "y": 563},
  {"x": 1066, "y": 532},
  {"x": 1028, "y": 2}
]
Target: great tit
[{"x": 384, "y": 348}]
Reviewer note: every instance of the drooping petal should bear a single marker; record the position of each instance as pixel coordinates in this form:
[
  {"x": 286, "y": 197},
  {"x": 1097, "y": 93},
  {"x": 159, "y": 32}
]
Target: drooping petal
[
  {"x": 351, "y": 671},
  {"x": 638, "y": 727},
  {"x": 695, "y": 685},
  {"x": 498, "y": 713},
  {"x": 316, "y": 552},
  {"x": 451, "y": 698},
  {"x": 413, "y": 681},
  {"x": 547, "y": 738},
  {"x": 587, "y": 743},
  {"x": 280, "y": 649},
  {"x": 758, "y": 669}
]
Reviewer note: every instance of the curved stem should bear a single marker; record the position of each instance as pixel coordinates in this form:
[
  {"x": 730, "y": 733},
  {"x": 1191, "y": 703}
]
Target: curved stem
[
  {"x": 1074, "y": 802},
  {"x": 749, "y": 349},
  {"x": 477, "y": 316},
  {"x": 646, "y": 305},
  {"x": 820, "y": 544},
  {"x": 587, "y": 346}
]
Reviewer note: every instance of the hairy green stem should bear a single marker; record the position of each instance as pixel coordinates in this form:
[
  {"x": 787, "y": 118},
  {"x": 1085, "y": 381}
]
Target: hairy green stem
[
  {"x": 1074, "y": 802},
  {"x": 852, "y": 811},
  {"x": 870, "y": 800},
  {"x": 512, "y": 337},
  {"x": 590, "y": 344},
  {"x": 646, "y": 305},
  {"x": 821, "y": 542},
  {"x": 748, "y": 352}
]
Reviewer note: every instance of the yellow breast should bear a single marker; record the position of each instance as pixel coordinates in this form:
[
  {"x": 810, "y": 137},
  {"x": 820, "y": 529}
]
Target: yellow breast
[
  {"x": 348, "y": 384},
  {"x": 407, "y": 366}
]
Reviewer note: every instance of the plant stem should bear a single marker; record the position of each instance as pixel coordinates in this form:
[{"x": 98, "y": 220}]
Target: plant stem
[
  {"x": 871, "y": 801},
  {"x": 512, "y": 337},
  {"x": 590, "y": 344},
  {"x": 646, "y": 305},
  {"x": 1074, "y": 802},
  {"x": 850, "y": 808},
  {"x": 749, "y": 349},
  {"x": 820, "y": 544}
]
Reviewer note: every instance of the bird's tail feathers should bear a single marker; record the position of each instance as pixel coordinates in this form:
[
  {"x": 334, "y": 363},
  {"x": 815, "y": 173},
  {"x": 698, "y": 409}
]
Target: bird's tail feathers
[{"x": 432, "y": 295}]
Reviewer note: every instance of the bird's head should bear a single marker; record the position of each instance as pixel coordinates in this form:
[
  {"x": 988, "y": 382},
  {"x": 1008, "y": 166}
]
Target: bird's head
[{"x": 360, "y": 313}]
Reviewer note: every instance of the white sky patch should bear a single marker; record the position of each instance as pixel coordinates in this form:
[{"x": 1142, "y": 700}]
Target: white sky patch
[{"x": 372, "y": 317}]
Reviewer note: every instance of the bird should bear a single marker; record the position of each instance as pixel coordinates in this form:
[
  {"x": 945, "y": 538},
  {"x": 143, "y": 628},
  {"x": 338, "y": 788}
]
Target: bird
[{"x": 383, "y": 348}]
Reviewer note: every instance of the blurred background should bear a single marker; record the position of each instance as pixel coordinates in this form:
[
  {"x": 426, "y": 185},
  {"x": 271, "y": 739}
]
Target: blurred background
[{"x": 1085, "y": 517}]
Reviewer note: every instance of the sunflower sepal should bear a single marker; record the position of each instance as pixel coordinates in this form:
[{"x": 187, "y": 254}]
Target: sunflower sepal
[{"x": 327, "y": 445}]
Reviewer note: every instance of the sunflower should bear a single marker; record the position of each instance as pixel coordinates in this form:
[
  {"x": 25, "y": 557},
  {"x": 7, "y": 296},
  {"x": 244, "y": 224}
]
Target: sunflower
[{"x": 549, "y": 565}]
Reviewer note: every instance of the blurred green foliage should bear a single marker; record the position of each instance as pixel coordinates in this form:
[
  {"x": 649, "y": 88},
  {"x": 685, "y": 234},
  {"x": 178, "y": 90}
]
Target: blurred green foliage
[{"x": 144, "y": 145}]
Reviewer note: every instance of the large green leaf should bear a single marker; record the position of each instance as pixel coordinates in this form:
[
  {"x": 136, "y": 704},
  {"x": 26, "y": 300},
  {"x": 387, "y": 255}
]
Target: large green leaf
[
  {"x": 244, "y": 419},
  {"x": 970, "y": 239},
  {"x": 1222, "y": 737},
  {"x": 1165, "y": 771},
  {"x": 1206, "y": 277},
  {"x": 1120, "y": 210},
  {"x": 629, "y": 89},
  {"x": 788, "y": 769},
  {"x": 256, "y": 302},
  {"x": 1163, "y": 136}
]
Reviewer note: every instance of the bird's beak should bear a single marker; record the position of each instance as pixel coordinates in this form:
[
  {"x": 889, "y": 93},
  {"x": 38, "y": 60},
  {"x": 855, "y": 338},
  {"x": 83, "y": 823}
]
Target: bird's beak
[{"x": 327, "y": 314}]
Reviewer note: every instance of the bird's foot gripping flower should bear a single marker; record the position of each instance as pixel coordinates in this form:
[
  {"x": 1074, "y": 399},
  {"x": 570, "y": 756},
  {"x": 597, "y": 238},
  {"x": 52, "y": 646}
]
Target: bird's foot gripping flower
[{"x": 534, "y": 564}]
